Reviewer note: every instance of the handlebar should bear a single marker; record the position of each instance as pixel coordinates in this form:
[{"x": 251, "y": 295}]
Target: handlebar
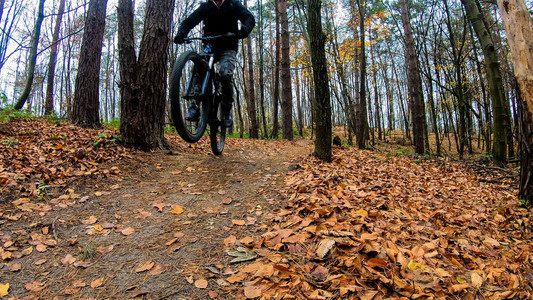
[{"x": 209, "y": 38}]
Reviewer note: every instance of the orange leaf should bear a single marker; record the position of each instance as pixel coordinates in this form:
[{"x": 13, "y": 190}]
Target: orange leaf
[
  {"x": 238, "y": 222},
  {"x": 377, "y": 262},
  {"x": 149, "y": 264},
  {"x": 227, "y": 201},
  {"x": 200, "y": 283},
  {"x": 213, "y": 294},
  {"x": 90, "y": 221},
  {"x": 128, "y": 231},
  {"x": 252, "y": 292},
  {"x": 177, "y": 210},
  {"x": 230, "y": 240},
  {"x": 97, "y": 282}
]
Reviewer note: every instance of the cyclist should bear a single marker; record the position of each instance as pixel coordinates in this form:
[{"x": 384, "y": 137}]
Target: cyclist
[{"x": 220, "y": 17}]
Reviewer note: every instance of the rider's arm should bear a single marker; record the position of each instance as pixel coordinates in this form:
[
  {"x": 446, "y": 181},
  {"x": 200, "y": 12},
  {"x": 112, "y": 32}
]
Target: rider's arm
[
  {"x": 190, "y": 22},
  {"x": 246, "y": 18}
]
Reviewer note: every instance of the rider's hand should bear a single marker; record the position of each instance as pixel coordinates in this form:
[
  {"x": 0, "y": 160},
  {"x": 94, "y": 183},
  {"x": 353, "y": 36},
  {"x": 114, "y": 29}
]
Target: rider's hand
[
  {"x": 242, "y": 34},
  {"x": 178, "y": 39}
]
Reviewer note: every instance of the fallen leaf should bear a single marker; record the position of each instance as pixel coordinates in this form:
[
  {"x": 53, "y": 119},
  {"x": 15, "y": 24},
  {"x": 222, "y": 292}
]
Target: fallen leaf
[
  {"x": 149, "y": 264},
  {"x": 377, "y": 262},
  {"x": 160, "y": 206},
  {"x": 68, "y": 259},
  {"x": 97, "y": 282},
  {"x": 200, "y": 283},
  {"x": 40, "y": 262},
  {"x": 251, "y": 292},
  {"x": 227, "y": 201},
  {"x": 477, "y": 280},
  {"x": 459, "y": 287},
  {"x": 14, "y": 267},
  {"x": 156, "y": 270},
  {"x": 35, "y": 286},
  {"x": 238, "y": 222},
  {"x": 213, "y": 294},
  {"x": 230, "y": 240},
  {"x": 247, "y": 240},
  {"x": 40, "y": 248},
  {"x": 320, "y": 273},
  {"x": 128, "y": 231},
  {"x": 178, "y": 209},
  {"x": 105, "y": 249},
  {"x": 324, "y": 247},
  {"x": 4, "y": 289},
  {"x": 91, "y": 220}
]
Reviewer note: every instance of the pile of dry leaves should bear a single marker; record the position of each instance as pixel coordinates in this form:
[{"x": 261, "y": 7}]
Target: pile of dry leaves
[
  {"x": 36, "y": 154},
  {"x": 374, "y": 226}
]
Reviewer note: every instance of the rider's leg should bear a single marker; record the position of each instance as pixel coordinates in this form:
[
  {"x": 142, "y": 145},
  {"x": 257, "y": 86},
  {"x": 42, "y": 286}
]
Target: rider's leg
[
  {"x": 193, "y": 111},
  {"x": 227, "y": 62}
]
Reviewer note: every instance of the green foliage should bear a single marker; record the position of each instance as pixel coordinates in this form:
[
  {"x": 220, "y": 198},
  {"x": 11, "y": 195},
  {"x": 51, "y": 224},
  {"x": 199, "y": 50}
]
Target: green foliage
[
  {"x": 10, "y": 142},
  {"x": 105, "y": 138},
  {"x": 524, "y": 202},
  {"x": 399, "y": 152},
  {"x": 41, "y": 189},
  {"x": 88, "y": 252},
  {"x": 170, "y": 129},
  {"x": 56, "y": 137},
  {"x": 236, "y": 134},
  {"x": 8, "y": 112},
  {"x": 113, "y": 124}
]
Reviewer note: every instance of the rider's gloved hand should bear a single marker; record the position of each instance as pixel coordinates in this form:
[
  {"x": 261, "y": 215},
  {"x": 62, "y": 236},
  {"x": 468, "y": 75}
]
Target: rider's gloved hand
[
  {"x": 179, "y": 39},
  {"x": 242, "y": 33}
]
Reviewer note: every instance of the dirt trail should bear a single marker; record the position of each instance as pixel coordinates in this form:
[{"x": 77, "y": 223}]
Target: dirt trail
[{"x": 128, "y": 236}]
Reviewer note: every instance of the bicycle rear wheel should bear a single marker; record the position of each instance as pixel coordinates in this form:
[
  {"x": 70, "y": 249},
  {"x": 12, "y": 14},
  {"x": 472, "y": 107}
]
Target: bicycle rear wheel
[
  {"x": 217, "y": 133},
  {"x": 185, "y": 91}
]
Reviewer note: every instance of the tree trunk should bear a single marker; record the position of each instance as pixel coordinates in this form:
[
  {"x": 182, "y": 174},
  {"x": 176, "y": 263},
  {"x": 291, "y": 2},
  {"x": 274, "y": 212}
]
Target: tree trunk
[
  {"x": 49, "y": 106},
  {"x": 144, "y": 81},
  {"x": 492, "y": 67},
  {"x": 252, "y": 111},
  {"x": 261, "y": 68},
  {"x": 33, "y": 56},
  {"x": 286, "y": 84},
  {"x": 86, "y": 106},
  {"x": 414, "y": 82},
  {"x": 322, "y": 107},
  {"x": 361, "y": 112},
  {"x": 275, "y": 104},
  {"x": 1, "y": 8},
  {"x": 519, "y": 28}
]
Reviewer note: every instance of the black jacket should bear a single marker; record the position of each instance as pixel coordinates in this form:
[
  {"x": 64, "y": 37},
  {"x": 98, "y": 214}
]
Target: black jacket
[{"x": 220, "y": 21}]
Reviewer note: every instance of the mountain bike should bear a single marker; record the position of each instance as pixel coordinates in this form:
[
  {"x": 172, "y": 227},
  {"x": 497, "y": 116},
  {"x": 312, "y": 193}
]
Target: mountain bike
[{"x": 194, "y": 82}]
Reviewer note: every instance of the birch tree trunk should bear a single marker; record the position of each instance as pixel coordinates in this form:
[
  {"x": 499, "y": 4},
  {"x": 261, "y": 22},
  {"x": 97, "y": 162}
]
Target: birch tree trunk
[{"x": 519, "y": 28}]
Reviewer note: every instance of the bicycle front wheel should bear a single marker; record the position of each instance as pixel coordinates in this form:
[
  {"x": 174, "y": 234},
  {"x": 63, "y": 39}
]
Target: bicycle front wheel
[
  {"x": 189, "y": 107},
  {"x": 218, "y": 131}
]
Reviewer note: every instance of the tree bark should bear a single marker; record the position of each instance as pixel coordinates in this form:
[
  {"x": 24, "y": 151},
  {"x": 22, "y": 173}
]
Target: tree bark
[
  {"x": 49, "y": 106},
  {"x": 322, "y": 107},
  {"x": 86, "y": 106},
  {"x": 144, "y": 80},
  {"x": 362, "y": 110},
  {"x": 519, "y": 28},
  {"x": 414, "y": 82},
  {"x": 252, "y": 110},
  {"x": 1, "y": 8},
  {"x": 492, "y": 67},
  {"x": 33, "y": 56},
  {"x": 275, "y": 125},
  {"x": 286, "y": 84}
]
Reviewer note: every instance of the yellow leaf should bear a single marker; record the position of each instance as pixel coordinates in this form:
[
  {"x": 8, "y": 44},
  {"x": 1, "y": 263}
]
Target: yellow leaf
[
  {"x": 363, "y": 213},
  {"x": 177, "y": 210},
  {"x": 413, "y": 265},
  {"x": 97, "y": 282},
  {"x": 4, "y": 289},
  {"x": 98, "y": 228}
]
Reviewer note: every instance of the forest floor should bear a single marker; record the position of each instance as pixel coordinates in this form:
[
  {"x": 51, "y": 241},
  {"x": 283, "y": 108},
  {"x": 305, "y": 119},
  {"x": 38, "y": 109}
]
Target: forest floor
[{"x": 82, "y": 217}]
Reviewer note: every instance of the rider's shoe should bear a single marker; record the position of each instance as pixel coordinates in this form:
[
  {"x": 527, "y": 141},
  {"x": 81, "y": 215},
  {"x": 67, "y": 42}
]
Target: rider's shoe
[
  {"x": 193, "y": 114},
  {"x": 227, "y": 118}
]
